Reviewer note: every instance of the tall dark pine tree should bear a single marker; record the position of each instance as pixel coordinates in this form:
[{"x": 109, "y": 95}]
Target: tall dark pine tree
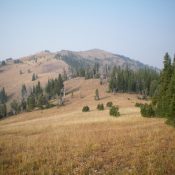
[
  {"x": 3, "y": 96},
  {"x": 163, "y": 95},
  {"x": 23, "y": 91}
]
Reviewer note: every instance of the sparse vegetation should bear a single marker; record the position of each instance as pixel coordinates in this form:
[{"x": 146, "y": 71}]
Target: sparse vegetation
[
  {"x": 17, "y": 61},
  {"x": 34, "y": 77},
  {"x": 20, "y": 72},
  {"x": 147, "y": 110},
  {"x": 42, "y": 139},
  {"x": 138, "y": 104},
  {"x": 3, "y": 110},
  {"x": 86, "y": 109},
  {"x": 109, "y": 104},
  {"x": 97, "y": 95},
  {"x": 114, "y": 111},
  {"x": 100, "y": 107}
]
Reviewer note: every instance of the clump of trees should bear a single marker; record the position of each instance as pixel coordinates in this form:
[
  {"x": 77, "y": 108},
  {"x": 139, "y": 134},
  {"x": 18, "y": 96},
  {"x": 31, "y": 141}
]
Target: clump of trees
[
  {"x": 38, "y": 97},
  {"x": 86, "y": 109},
  {"x": 114, "y": 111},
  {"x": 143, "y": 81},
  {"x": 100, "y": 107},
  {"x": 55, "y": 87}
]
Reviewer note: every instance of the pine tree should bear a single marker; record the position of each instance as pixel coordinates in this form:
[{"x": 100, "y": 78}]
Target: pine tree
[
  {"x": 31, "y": 102},
  {"x": 163, "y": 96},
  {"x": 3, "y": 96},
  {"x": 15, "y": 107},
  {"x": 3, "y": 110},
  {"x": 33, "y": 77},
  {"x": 97, "y": 94},
  {"x": 23, "y": 91},
  {"x": 23, "y": 105}
]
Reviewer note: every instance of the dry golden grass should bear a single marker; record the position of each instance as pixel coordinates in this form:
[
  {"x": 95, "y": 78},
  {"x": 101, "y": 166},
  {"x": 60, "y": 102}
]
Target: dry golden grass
[
  {"x": 46, "y": 68},
  {"x": 67, "y": 141}
]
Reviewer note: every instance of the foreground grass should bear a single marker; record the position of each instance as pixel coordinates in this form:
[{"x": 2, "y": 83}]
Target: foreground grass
[
  {"x": 68, "y": 141},
  {"x": 111, "y": 147}
]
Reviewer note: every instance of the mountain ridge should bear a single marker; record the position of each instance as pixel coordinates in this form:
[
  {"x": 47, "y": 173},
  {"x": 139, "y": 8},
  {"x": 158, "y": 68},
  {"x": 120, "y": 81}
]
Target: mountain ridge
[{"x": 93, "y": 55}]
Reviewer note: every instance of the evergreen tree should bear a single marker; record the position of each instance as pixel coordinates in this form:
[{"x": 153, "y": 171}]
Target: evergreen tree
[
  {"x": 54, "y": 87},
  {"x": 23, "y": 91},
  {"x": 3, "y": 96},
  {"x": 126, "y": 80},
  {"x": 15, "y": 107},
  {"x": 171, "y": 115},
  {"x": 3, "y": 63},
  {"x": 164, "y": 96},
  {"x": 97, "y": 94},
  {"x": 3, "y": 110},
  {"x": 31, "y": 102},
  {"x": 23, "y": 105},
  {"x": 153, "y": 87},
  {"x": 33, "y": 77}
]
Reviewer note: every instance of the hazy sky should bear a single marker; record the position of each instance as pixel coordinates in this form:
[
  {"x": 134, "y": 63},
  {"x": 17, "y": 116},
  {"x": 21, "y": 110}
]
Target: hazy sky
[{"x": 140, "y": 29}]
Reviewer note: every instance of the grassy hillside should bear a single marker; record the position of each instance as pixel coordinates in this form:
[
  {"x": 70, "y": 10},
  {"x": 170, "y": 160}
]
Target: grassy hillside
[
  {"x": 65, "y": 140},
  {"x": 12, "y": 76},
  {"x": 47, "y": 65}
]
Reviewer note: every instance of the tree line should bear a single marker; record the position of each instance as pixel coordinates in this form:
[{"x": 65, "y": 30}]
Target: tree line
[{"x": 143, "y": 81}]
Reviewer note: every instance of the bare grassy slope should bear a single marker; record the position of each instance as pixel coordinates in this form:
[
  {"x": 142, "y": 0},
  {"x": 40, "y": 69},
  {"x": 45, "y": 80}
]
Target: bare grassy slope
[
  {"x": 66, "y": 141},
  {"x": 45, "y": 67}
]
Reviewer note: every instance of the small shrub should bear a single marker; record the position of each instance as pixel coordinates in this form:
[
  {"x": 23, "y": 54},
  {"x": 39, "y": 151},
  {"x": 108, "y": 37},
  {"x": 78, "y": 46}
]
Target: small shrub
[
  {"x": 138, "y": 105},
  {"x": 86, "y": 109},
  {"x": 114, "y": 111},
  {"x": 147, "y": 110},
  {"x": 109, "y": 104},
  {"x": 171, "y": 122},
  {"x": 100, "y": 107}
]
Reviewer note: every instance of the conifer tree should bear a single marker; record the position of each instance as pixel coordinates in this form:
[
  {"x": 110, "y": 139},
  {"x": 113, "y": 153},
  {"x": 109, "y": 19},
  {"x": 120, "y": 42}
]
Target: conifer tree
[
  {"x": 97, "y": 94},
  {"x": 15, "y": 107},
  {"x": 3, "y": 110},
  {"x": 163, "y": 96},
  {"x": 3, "y": 96},
  {"x": 23, "y": 91},
  {"x": 33, "y": 77}
]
